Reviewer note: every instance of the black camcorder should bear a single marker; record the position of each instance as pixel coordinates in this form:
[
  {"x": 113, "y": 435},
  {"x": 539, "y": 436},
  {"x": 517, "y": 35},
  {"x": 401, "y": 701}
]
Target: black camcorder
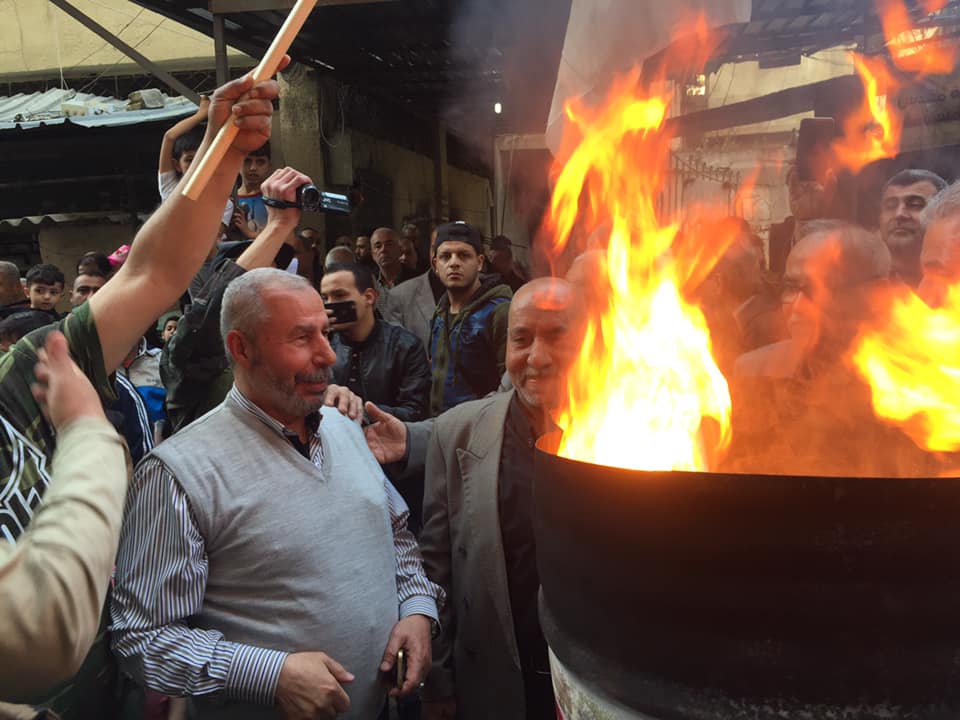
[{"x": 311, "y": 199}]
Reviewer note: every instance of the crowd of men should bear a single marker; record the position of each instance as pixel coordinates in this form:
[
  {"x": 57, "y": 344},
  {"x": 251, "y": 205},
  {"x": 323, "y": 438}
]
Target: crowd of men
[{"x": 332, "y": 500}]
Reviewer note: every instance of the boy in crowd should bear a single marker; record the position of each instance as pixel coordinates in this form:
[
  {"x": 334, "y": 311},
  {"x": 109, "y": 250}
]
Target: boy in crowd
[
  {"x": 167, "y": 325},
  {"x": 179, "y": 146},
  {"x": 250, "y": 217},
  {"x": 45, "y": 288}
]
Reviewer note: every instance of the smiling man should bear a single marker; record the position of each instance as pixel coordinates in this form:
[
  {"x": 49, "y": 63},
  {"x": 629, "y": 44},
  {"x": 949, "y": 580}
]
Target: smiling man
[
  {"x": 468, "y": 338},
  {"x": 296, "y": 579},
  {"x": 478, "y": 541}
]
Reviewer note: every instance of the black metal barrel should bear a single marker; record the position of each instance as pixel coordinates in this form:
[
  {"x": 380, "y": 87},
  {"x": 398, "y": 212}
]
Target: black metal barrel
[{"x": 701, "y": 595}]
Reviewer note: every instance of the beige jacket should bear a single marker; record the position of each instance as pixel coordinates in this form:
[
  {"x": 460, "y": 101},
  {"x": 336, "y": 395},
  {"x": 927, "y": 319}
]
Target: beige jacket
[
  {"x": 475, "y": 657},
  {"x": 53, "y": 583}
]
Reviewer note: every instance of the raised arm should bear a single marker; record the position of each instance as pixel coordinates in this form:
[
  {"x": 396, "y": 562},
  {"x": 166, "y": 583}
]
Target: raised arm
[
  {"x": 170, "y": 248},
  {"x": 167, "y": 163}
]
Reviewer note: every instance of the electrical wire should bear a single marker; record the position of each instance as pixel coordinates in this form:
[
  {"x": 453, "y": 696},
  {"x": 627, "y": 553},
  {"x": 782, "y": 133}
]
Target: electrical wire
[
  {"x": 343, "y": 123},
  {"x": 117, "y": 62}
]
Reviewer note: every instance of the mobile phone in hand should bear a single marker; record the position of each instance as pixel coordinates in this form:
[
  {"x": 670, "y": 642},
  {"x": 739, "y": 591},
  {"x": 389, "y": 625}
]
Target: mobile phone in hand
[
  {"x": 343, "y": 312},
  {"x": 401, "y": 667}
]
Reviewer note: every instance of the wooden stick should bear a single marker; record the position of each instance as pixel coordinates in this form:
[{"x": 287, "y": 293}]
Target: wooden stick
[{"x": 265, "y": 69}]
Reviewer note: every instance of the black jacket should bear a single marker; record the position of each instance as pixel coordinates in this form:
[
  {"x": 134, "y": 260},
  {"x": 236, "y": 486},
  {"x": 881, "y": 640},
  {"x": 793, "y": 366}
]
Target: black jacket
[{"x": 389, "y": 369}]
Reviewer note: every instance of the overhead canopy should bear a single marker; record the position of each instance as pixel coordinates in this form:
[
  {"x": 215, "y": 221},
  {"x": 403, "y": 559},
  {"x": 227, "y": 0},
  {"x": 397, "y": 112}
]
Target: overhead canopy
[{"x": 449, "y": 59}]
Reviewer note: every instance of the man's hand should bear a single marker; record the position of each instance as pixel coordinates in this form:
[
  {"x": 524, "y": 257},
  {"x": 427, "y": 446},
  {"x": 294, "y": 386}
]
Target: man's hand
[
  {"x": 246, "y": 105},
  {"x": 413, "y": 635},
  {"x": 309, "y": 687},
  {"x": 445, "y": 709},
  {"x": 282, "y": 185},
  {"x": 345, "y": 401},
  {"x": 386, "y": 435},
  {"x": 63, "y": 391}
]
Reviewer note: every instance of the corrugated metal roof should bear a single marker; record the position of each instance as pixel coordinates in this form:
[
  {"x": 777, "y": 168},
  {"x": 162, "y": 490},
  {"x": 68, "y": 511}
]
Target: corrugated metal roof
[
  {"x": 54, "y": 106},
  {"x": 105, "y": 216}
]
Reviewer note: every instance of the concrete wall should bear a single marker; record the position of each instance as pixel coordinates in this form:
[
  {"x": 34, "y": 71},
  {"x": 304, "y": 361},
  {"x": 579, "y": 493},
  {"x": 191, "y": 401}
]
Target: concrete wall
[
  {"x": 37, "y": 39},
  {"x": 470, "y": 199},
  {"x": 413, "y": 181},
  {"x": 735, "y": 82},
  {"x": 62, "y": 245}
]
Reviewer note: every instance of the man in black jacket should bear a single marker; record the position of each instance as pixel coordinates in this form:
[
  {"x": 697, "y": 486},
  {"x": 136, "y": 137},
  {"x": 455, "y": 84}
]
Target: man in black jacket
[{"x": 380, "y": 362}]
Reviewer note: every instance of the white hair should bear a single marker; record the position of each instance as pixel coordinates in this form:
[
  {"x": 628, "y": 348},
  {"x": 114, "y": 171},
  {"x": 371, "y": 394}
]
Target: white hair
[
  {"x": 339, "y": 255},
  {"x": 943, "y": 205},
  {"x": 243, "y": 309}
]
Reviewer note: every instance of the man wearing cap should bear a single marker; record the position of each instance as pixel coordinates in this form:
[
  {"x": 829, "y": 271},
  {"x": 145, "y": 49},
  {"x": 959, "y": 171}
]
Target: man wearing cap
[{"x": 468, "y": 338}]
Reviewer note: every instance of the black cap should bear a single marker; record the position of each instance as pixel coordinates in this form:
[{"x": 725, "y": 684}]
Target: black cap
[{"x": 459, "y": 232}]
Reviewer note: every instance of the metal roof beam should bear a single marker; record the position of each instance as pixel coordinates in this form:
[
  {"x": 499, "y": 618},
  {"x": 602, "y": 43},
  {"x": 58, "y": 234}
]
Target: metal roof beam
[
  {"x": 237, "y": 6},
  {"x": 141, "y": 60}
]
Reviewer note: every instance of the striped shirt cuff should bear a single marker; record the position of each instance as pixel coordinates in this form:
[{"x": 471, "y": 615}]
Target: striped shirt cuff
[
  {"x": 254, "y": 673},
  {"x": 420, "y": 605}
]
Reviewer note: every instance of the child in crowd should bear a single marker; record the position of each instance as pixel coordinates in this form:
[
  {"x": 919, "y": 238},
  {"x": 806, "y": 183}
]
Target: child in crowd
[
  {"x": 179, "y": 147},
  {"x": 167, "y": 325},
  {"x": 13, "y": 327},
  {"x": 45, "y": 288},
  {"x": 250, "y": 216}
]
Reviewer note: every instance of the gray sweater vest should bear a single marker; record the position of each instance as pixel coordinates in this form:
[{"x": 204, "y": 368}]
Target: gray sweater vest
[{"x": 299, "y": 559}]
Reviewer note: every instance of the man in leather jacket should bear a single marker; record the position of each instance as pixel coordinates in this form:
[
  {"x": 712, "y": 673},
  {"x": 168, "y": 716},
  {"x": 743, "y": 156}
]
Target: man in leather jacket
[{"x": 380, "y": 362}]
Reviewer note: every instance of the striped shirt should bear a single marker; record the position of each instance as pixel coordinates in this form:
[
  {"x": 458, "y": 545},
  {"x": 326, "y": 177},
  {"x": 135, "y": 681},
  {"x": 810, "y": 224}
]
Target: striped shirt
[
  {"x": 163, "y": 553},
  {"x": 135, "y": 427}
]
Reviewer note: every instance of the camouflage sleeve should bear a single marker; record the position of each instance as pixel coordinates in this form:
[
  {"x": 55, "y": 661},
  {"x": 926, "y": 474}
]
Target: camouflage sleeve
[{"x": 80, "y": 329}]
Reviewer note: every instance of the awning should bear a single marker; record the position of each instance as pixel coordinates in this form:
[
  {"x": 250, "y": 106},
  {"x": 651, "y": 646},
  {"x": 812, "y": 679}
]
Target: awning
[
  {"x": 105, "y": 216},
  {"x": 56, "y": 106}
]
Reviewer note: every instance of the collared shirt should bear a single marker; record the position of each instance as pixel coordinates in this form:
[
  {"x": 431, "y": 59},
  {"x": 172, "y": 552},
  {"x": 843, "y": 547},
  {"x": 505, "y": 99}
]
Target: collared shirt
[{"x": 152, "y": 614}]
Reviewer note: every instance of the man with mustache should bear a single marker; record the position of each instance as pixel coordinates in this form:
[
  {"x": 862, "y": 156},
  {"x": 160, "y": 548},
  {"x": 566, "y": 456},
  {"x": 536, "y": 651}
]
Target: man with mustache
[
  {"x": 265, "y": 566},
  {"x": 904, "y": 197}
]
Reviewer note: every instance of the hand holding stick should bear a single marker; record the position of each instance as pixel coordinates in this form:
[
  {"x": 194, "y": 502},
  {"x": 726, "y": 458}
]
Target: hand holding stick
[{"x": 264, "y": 70}]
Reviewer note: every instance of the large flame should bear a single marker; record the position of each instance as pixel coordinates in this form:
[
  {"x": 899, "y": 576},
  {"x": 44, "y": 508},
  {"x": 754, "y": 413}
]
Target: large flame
[
  {"x": 644, "y": 381},
  {"x": 915, "y": 50},
  {"x": 910, "y": 359},
  {"x": 873, "y": 131}
]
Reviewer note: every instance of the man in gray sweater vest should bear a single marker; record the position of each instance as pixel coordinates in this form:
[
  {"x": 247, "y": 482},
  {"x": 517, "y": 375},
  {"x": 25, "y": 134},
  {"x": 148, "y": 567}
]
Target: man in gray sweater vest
[{"x": 265, "y": 568}]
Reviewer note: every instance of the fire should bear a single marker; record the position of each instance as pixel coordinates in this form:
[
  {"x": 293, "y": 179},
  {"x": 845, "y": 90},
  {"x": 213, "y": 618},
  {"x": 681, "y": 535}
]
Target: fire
[
  {"x": 909, "y": 359},
  {"x": 644, "y": 392},
  {"x": 873, "y": 131},
  {"x": 912, "y": 49}
]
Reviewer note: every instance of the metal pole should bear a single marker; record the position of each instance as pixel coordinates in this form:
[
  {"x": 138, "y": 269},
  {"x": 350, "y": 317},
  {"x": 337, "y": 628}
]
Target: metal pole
[
  {"x": 130, "y": 52},
  {"x": 220, "y": 50}
]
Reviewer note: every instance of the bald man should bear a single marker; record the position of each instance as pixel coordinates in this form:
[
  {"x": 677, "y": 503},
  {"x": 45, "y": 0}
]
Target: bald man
[
  {"x": 798, "y": 406},
  {"x": 940, "y": 257},
  {"x": 491, "y": 659},
  {"x": 12, "y": 297},
  {"x": 829, "y": 274}
]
